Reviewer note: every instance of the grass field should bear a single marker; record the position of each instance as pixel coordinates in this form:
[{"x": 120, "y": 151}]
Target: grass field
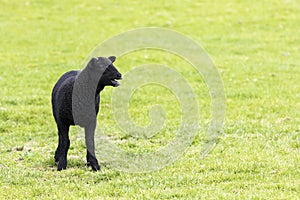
[{"x": 255, "y": 46}]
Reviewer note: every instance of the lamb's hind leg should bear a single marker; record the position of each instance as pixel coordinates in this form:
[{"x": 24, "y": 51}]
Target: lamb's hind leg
[
  {"x": 63, "y": 147},
  {"x": 90, "y": 146}
]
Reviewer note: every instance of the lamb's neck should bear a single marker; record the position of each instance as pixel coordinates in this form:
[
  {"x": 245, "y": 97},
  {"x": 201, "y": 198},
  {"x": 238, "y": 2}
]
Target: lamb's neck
[{"x": 99, "y": 89}]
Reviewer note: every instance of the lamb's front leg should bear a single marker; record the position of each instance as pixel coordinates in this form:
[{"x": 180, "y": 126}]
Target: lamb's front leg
[{"x": 90, "y": 146}]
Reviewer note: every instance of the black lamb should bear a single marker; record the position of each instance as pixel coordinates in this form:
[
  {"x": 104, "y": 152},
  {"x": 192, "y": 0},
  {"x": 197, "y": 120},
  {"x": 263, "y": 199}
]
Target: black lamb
[{"x": 62, "y": 105}]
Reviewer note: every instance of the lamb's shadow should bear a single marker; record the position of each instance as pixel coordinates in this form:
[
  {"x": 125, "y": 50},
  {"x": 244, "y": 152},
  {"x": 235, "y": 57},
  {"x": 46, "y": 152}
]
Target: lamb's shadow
[{"x": 78, "y": 167}]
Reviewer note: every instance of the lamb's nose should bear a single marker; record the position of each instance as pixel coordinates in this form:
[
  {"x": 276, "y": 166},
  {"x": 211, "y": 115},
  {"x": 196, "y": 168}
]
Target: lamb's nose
[{"x": 119, "y": 76}]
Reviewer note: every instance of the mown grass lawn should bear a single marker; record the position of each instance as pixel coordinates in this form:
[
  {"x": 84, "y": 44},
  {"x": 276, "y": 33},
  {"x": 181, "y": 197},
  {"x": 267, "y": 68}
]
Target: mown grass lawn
[{"x": 256, "y": 48}]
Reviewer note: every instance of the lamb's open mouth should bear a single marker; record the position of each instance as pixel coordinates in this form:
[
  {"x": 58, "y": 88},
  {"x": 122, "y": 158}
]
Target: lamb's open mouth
[{"x": 115, "y": 83}]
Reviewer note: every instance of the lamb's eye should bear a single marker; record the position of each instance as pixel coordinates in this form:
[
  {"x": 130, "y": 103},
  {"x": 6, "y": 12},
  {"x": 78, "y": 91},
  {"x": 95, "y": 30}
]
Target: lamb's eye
[{"x": 108, "y": 69}]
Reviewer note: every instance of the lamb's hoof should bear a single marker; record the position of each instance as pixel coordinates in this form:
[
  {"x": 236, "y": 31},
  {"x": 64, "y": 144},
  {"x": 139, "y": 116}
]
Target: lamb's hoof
[
  {"x": 95, "y": 166},
  {"x": 92, "y": 161},
  {"x": 62, "y": 164}
]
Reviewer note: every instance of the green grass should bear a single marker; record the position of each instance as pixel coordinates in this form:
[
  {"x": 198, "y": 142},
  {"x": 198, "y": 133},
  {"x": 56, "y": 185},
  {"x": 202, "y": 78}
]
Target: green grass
[{"x": 255, "y": 46}]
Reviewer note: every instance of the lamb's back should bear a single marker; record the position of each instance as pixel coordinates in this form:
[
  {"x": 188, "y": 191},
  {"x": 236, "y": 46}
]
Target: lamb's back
[{"x": 62, "y": 98}]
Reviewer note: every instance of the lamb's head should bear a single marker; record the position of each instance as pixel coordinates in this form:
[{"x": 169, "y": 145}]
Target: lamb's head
[{"x": 110, "y": 75}]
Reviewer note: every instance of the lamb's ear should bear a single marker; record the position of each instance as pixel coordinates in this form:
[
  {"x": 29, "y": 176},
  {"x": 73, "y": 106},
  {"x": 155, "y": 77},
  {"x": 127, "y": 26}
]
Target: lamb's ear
[
  {"x": 92, "y": 63},
  {"x": 112, "y": 58}
]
